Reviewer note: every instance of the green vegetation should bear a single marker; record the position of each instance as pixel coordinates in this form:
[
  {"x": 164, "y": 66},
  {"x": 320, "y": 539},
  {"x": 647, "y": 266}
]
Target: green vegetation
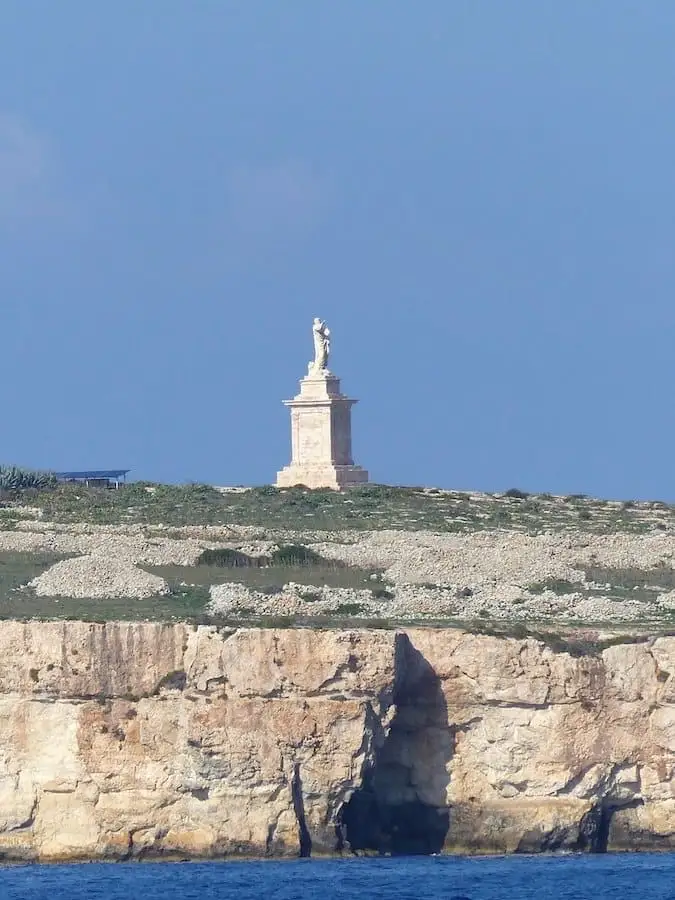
[
  {"x": 661, "y": 579},
  {"x": 13, "y": 478},
  {"x": 17, "y": 569},
  {"x": 294, "y": 519},
  {"x": 188, "y": 590},
  {"x": 296, "y": 555},
  {"x": 557, "y": 585},
  {"x": 350, "y": 609},
  {"x": 226, "y": 558},
  {"x": 616, "y": 585},
  {"x": 268, "y": 579},
  {"x": 17, "y": 602},
  {"x": 367, "y": 507},
  {"x": 288, "y": 555}
]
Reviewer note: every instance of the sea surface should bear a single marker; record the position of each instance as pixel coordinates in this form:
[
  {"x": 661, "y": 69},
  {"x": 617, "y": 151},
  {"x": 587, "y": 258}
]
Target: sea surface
[{"x": 647, "y": 876}]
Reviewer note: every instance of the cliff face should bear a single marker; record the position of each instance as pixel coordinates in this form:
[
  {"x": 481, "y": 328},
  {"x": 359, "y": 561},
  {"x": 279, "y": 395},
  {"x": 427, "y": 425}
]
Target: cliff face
[{"x": 125, "y": 740}]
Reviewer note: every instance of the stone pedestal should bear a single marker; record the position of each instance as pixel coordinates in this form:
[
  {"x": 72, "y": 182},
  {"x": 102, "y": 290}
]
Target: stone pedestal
[{"x": 321, "y": 429}]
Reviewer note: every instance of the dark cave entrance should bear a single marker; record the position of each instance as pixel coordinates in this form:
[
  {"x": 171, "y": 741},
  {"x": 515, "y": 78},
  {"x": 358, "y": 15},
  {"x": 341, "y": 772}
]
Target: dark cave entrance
[
  {"x": 594, "y": 829},
  {"x": 401, "y": 808}
]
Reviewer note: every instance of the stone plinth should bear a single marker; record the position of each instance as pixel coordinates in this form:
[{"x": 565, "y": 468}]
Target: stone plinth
[{"x": 321, "y": 430}]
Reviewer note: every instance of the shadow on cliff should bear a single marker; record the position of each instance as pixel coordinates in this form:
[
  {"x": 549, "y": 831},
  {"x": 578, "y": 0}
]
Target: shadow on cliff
[{"x": 401, "y": 807}]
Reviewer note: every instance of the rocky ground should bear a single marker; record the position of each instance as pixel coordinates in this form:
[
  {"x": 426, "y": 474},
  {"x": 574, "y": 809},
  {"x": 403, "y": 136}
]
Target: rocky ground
[{"x": 561, "y": 572}]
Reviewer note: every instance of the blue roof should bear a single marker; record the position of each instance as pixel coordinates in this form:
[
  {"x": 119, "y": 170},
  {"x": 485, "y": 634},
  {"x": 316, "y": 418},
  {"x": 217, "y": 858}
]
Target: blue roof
[{"x": 103, "y": 473}]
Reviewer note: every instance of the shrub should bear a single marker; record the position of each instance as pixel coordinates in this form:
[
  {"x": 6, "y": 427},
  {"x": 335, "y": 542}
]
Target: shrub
[
  {"x": 380, "y": 593},
  {"x": 265, "y": 490},
  {"x": 350, "y": 609},
  {"x": 226, "y": 558},
  {"x": 295, "y": 555},
  {"x": 515, "y": 494}
]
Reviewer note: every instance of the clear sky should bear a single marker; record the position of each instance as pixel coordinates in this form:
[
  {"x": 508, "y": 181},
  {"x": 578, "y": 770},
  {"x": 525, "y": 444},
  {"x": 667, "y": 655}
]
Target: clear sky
[{"x": 478, "y": 196}]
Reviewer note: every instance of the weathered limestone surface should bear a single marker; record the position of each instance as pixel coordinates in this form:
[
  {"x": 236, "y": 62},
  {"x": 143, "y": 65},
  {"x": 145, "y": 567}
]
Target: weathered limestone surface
[
  {"x": 131, "y": 739},
  {"x": 321, "y": 437}
]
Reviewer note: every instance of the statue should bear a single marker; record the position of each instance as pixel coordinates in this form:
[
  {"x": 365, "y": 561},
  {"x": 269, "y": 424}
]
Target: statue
[{"x": 321, "y": 336}]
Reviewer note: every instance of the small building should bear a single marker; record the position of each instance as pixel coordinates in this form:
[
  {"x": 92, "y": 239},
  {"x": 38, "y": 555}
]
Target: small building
[{"x": 107, "y": 478}]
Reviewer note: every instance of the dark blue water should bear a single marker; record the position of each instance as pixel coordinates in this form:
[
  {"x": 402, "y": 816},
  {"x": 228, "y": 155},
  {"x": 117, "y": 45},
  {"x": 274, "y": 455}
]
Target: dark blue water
[{"x": 504, "y": 878}]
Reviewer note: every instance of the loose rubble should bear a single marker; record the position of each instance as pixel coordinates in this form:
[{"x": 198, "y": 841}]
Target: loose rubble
[
  {"x": 97, "y": 578},
  {"x": 486, "y": 574}
]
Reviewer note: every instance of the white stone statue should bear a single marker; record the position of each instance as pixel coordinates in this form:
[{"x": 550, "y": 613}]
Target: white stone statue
[{"x": 321, "y": 336}]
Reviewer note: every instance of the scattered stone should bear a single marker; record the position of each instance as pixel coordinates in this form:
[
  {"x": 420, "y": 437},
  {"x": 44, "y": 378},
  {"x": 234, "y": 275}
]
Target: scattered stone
[
  {"x": 97, "y": 578},
  {"x": 487, "y": 574}
]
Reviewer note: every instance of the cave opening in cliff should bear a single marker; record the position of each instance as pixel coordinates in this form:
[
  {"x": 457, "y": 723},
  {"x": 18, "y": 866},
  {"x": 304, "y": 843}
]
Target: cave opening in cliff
[
  {"x": 595, "y": 827},
  {"x": 401, "y": 806}
]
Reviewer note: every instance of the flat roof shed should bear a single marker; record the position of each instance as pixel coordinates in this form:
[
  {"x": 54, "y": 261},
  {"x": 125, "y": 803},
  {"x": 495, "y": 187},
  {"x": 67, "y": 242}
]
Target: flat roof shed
[{"x": 96, "y": 477}]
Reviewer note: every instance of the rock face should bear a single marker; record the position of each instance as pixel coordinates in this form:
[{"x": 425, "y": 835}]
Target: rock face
[{"x": 128, "y": 740}]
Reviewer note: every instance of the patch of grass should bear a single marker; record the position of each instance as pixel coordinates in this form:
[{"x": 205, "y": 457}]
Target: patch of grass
[
  {"x": 661, "y": 578},
  {"x": 185, "y": 604},
  {"x": 16, "y": 570},
  {"x": 267, "y": 579},
  {"x": 350, "y": 609},
  {"x": 557, "y": 585}
]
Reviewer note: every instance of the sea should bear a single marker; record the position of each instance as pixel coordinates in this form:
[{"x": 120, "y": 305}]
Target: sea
[{"x": 648, "y": 876}]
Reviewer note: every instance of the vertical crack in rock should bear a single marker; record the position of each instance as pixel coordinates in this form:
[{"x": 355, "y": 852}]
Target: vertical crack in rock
[
  {"x": 401, "y": 807},
  {"x": 304, "y": 838}
]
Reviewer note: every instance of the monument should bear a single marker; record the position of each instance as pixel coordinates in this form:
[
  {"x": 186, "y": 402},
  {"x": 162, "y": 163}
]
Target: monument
[{"x": 321, "y": 427}]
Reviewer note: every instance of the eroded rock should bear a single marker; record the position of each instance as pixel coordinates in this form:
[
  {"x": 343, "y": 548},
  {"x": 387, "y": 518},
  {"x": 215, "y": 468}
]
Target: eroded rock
[{"x": 128, "y": 740}]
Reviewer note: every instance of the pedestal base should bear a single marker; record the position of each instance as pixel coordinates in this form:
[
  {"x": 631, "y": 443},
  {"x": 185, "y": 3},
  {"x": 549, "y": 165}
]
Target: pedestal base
[
  {"x": 321, "y": 436},
  {"x": 323, "y": 475}
]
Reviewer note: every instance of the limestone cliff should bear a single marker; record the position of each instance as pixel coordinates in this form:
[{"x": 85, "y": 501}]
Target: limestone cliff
[{"x": 127, "y": 740}]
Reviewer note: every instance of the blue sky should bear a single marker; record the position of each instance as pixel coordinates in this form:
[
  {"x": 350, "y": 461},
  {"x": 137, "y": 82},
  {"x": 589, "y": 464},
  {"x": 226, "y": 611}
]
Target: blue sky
[{"x": 478, "y": 196}]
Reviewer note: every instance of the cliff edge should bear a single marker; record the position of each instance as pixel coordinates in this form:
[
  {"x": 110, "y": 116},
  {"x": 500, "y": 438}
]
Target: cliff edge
[{"x": 125, "y": 740}]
